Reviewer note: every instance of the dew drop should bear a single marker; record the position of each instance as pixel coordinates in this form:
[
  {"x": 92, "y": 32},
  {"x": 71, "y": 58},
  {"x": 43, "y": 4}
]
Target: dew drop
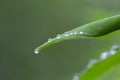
[
  {"x": 112, "y": 52},
  {"x": 36, "y": 51},
  {"x": 75, "y": 32},
  {"x": 81, "y": 32},
  {"x": 104, "y": 55},
  {"x": 91, "y": 62},
  {"x": 71, "y": 33},
  {"x": 50, "y": 39},
  {"x": 115, "y": 47},
  {"x": 76, "y": 76},
  {"x": 58, "y": 36},
  {"x": 66, "y": 34}
]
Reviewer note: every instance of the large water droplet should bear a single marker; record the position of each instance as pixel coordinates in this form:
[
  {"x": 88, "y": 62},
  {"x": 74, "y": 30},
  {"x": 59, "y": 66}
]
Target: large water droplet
[
  {"x": 36, "y": 51},
  {"x": 91, "y": 62}
]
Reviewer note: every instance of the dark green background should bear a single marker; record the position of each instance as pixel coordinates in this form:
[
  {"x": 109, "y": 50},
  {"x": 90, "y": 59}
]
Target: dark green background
[{"x": 25, "y": 24}]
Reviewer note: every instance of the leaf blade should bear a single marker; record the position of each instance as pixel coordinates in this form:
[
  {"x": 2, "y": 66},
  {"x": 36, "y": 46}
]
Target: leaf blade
[
  {"x": 93, "y": 29},
  {"x": 98, "y": 69}
]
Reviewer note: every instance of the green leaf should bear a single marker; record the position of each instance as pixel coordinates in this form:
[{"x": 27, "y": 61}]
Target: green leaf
[
  {"x": 93, "y": 29},
  {"x": 101, "y": 67}
]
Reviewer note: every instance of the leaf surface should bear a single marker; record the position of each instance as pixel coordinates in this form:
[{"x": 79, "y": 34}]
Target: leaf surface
[
  {"x": 93, "y": 29},
  {"x": 100, "y": 68}
]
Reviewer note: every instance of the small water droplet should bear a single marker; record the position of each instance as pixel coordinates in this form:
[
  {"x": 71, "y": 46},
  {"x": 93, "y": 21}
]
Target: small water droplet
[
  {"x": 71, "y": 33},
  {"x": 104, "y": 55},
  {"x": 81, "y": 32},
  {"x": 75, "y": 33},
  {"x": 115, "y": 47},
  {"x": 50, "y": 39},
  {"x": 91, "y": 62},
  {"x": 36, "y": 51},
  {"x": 112, "y": 52},
  {"x": 58, "y": 36},
  {"x": 66, "y": 34},
  {"x": 76, "y": 76}
]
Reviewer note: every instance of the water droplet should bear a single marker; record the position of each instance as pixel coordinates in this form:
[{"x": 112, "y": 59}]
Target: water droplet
[
  {"x": 66, "y": 34},
  {"x": 50, "y": 39},
  {"x": 71, "y": 33},
  {"x": 112, "y": 52},
  {"x": 58, "y": 36},
  {"x": 115, "y": 47},
  {"x": 75, "y": 33},
  {"x": 81, "y": 32},
  {"x": 104, "y": 55},
  {"x": 91, "y": 62},
  {"x": 76, "y": 76},
  {"x": 36, "y": 51}
]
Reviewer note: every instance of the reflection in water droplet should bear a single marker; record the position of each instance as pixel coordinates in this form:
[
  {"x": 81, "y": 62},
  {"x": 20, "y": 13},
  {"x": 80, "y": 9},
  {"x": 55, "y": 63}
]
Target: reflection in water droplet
[
  {"x": 104, "y": 55},
  {"x": 91, "y": 62},
  {"x": 36, "y": 51}
]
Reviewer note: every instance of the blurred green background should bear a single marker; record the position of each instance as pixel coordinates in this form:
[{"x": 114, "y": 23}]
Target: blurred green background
[{"x": 25, "y": 24}]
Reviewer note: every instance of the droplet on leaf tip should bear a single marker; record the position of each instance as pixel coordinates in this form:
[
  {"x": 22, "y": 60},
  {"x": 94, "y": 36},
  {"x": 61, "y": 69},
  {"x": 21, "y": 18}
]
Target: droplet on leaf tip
[{"x": 36, "y": 51}]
